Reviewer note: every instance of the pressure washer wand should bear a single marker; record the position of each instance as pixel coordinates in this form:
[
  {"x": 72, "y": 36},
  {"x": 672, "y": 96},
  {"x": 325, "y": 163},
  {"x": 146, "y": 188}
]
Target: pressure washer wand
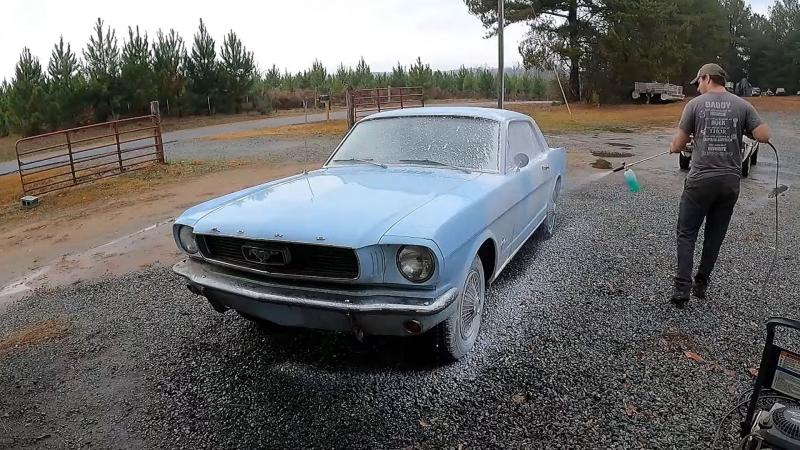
[{"x": 625, "y": 166}]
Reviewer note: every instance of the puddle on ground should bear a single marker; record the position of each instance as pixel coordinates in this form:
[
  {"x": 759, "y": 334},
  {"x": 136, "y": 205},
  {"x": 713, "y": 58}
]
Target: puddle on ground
[
  {"x": 601, "y": 164},
  {"x": 619, "y": 144},
  {"x": 619, "y": 130},
  {"x": 778, "y": 191},
  {"x": 611, "y": 154}
]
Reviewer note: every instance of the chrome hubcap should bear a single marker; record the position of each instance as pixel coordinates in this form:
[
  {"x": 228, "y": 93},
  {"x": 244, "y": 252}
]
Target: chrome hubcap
[
  {"x": 551, "y": 212},
  {"x": 471, "y": 305}
]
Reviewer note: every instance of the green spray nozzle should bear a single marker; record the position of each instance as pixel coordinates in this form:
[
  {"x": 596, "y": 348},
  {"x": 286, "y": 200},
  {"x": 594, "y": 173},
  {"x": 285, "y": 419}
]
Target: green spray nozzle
[{"x": 633, "y": 183}]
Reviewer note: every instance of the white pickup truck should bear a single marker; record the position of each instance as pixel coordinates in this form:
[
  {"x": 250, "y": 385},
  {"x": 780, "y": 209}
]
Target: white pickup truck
[{"x": 749, "y": 155}]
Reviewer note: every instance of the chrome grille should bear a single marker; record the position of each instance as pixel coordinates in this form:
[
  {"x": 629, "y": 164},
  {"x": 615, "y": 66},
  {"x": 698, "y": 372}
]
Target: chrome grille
[{"x": 304, "y": 260}]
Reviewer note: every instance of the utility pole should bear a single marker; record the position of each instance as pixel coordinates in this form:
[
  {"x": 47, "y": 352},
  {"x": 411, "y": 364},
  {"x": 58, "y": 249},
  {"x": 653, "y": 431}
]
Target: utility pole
[{"x": 500, "y": 70}]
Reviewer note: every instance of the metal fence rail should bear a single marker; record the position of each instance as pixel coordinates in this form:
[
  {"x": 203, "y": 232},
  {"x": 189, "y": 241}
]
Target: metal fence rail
[
  {"x": 363, "y": 102},
  {"x": 66, "y": 158}
]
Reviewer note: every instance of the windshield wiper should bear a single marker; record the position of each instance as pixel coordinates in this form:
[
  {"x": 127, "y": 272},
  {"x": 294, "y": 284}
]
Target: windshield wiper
[
  {"x": 434, "y": 163},
  {"x": 359, "y": 160}
]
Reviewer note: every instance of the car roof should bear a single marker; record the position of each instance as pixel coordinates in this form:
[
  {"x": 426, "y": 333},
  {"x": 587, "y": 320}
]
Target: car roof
[{"x": 500, "y": 115}]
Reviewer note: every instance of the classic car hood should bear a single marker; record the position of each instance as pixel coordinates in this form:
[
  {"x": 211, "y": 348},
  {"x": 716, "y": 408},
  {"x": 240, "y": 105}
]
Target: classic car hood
[{"x": 342, "y": 206}]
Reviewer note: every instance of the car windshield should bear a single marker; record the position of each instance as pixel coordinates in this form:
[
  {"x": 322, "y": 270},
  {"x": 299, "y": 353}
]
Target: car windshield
[{"x": 470, "y": 143}]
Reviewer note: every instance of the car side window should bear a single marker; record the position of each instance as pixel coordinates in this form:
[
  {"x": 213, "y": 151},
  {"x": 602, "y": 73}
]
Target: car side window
[
  {"x": 541, "y": 144},
  {"x": 521, "y": 139}
]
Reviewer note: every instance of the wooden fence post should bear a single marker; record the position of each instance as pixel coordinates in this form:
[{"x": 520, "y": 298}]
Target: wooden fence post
[
  {"x": 348, "y": 99},
  {"x": 155, "y": 112}
]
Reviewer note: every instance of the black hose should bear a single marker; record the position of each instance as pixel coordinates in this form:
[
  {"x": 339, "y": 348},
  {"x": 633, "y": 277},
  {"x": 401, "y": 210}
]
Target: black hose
[
  {"x": 761, "y": 295},
  {"x": 776, "y": 194}
]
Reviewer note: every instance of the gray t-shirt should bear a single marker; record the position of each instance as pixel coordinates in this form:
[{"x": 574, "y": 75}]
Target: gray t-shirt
[{"x": 718, "y": 120}]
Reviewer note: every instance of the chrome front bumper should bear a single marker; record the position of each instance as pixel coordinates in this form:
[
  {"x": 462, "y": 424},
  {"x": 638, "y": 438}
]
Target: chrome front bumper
[{"x": 371, "y": 310}]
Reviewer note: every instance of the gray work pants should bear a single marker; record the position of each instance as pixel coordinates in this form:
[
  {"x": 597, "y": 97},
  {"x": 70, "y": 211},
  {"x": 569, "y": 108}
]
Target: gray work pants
[{"x": 712, "y": 200}]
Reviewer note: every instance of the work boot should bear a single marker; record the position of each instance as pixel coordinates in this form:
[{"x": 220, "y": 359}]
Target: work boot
[
  {"x": 679, "y": 297},
  {"x": 699, "y": 287}
]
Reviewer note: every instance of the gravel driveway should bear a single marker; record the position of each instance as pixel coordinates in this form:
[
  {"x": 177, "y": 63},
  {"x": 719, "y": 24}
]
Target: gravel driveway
[{"x": 580, "y": 348}]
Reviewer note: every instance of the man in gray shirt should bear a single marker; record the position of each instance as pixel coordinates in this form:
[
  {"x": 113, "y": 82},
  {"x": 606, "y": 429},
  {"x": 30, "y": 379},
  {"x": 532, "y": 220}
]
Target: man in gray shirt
[{"x": 717, "y": 120}]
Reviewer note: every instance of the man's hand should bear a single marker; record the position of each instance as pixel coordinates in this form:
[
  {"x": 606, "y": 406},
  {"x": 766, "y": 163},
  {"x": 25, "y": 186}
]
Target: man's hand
[
  {"x": 761, "y": 133},
  {"x": 679, "y": 141}
]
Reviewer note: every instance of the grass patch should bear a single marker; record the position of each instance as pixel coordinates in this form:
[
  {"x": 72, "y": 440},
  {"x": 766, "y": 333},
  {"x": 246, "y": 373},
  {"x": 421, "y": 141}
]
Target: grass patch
[
  {"x": 615, "y": 118},
  {"x": 33, "y": 335},
  {"x": 601, "y": 163},
  {"x": 335, "y": 128},
  {"x": 628, "y": 118}
]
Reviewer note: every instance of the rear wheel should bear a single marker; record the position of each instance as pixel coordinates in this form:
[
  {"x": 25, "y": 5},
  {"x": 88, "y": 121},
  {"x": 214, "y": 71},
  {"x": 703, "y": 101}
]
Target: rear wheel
[
  {"x": 548, "y": 227},
  {"x": 746, "y": 167},
  {"x": 458, "y": 333},
  {"x": 683, "y": 161}
]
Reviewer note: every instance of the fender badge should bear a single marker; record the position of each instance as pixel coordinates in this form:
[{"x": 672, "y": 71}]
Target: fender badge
[{"x": 320, "y": 238}]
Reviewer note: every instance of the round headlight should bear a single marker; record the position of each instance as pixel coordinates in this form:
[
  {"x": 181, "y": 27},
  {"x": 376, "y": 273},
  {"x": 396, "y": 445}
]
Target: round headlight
[
  {"x": 188, "y": 242},
  {"x": 415, "y": 263}
]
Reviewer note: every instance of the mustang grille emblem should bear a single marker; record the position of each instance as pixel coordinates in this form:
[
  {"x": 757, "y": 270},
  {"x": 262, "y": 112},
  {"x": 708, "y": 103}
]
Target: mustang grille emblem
[{"x": 266, "y": 256}]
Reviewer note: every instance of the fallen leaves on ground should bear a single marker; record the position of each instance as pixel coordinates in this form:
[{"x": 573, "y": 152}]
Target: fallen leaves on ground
[
  {"x": 33, "y": 334},
  {"x": 693, "y": 356},
  {"x": 519, "y": 398}
]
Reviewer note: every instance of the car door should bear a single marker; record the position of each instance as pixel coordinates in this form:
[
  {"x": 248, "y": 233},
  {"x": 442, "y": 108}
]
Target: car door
[{"x": 532, "y": 178}]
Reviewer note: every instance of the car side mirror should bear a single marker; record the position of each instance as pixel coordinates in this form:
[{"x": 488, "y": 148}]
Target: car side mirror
[{"x": 521, "y": 160}]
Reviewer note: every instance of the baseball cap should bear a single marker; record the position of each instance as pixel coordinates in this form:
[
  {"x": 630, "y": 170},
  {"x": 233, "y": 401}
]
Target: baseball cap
[{"x": 710, "y": 69}]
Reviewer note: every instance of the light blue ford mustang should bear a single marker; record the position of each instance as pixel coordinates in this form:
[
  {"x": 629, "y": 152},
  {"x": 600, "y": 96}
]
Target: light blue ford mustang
[{"x": 399, "y": 233}]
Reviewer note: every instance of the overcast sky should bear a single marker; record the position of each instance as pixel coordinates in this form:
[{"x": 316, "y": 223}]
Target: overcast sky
[{"x": 289, "y": 33}]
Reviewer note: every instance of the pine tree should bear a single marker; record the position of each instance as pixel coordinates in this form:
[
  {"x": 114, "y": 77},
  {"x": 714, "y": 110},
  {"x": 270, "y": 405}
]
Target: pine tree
[
  {"x": 288, "y": 81},
  {"x": 272, "y": 78},
  {"x": 238, "y": 70},
  {"x": 420, "y": 74},
  {"x": 26, "y": 98},
  {"x": 487, "y": 84},
  {"x": 343, "y": 77},
  {"x": 317, "y": 76},
  {"x": 363, "y": 78},
  {"x": 136, "y": 74},
  {"x": 169, "y": 56},
  {"x": 4, "y": 91},
  {"x": 202, "y": 71},
  {"x": 66, "y": 88},
  {"x": 102, "y": 71},
  {"x": 399, "y": 77}
]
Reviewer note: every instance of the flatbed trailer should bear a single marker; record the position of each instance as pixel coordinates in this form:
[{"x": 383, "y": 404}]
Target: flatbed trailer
[{"x": 659, "y": 92}]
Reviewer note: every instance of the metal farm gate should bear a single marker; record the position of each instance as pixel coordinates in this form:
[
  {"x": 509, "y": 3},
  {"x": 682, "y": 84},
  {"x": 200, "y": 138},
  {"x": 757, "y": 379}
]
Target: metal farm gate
[
  {"x": 363, "y": 102},
  {"x": 66, "y": 158}
]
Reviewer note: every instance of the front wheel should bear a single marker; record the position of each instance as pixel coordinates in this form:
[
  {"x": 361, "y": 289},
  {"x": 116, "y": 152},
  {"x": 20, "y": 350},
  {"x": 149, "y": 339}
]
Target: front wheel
[
  {"x": 746, "y": 167},
  {"x": 458, "y": 333},
  {"x": 754, "y": 157}
]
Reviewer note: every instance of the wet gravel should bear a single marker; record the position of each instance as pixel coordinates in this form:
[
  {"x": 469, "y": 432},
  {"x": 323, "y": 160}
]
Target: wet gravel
[{"x": 580, "y": 349}]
